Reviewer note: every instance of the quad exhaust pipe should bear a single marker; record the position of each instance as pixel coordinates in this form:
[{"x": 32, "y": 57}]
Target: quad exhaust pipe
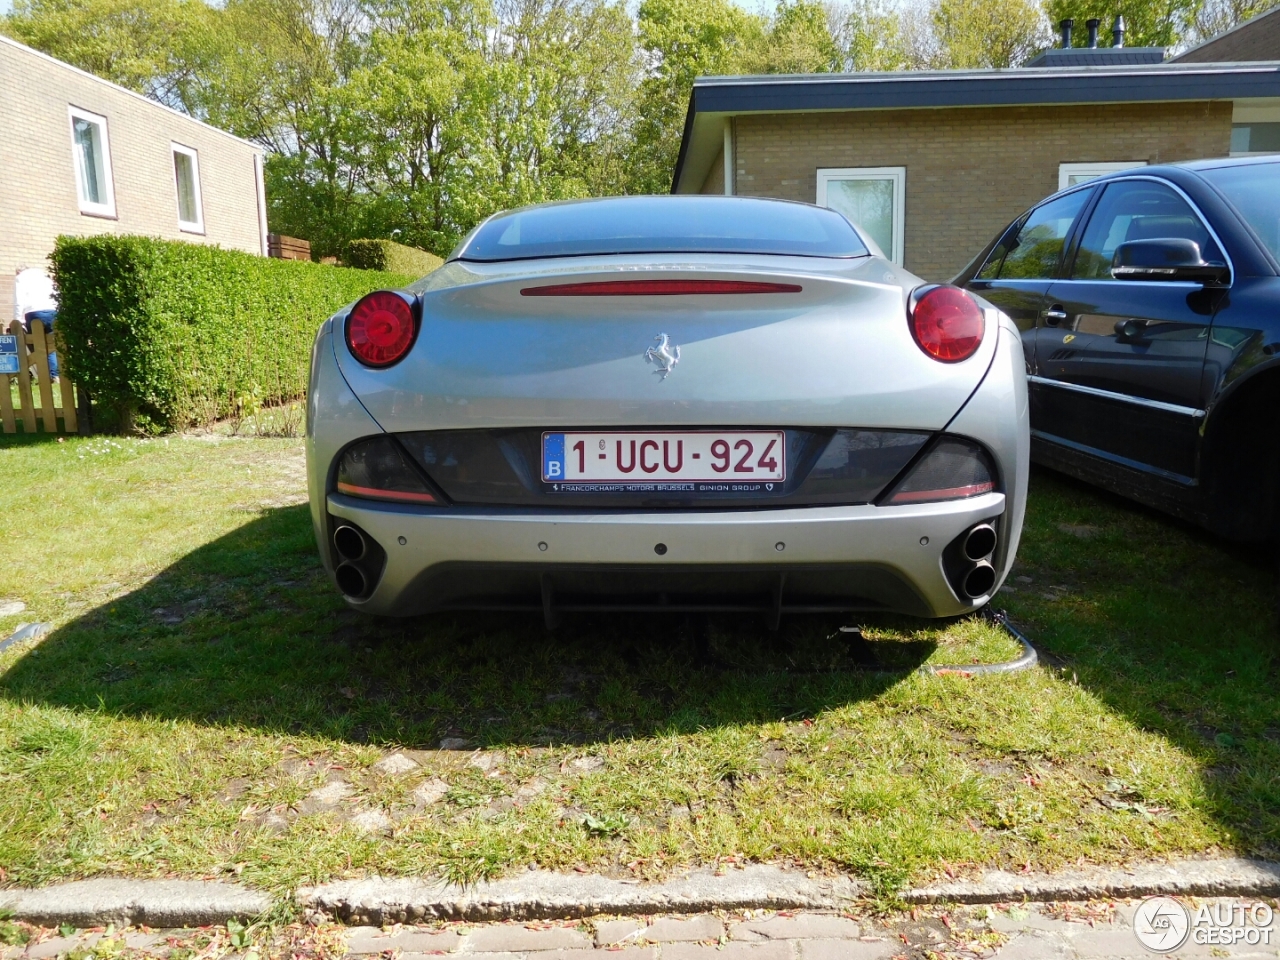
[
  {"x": 359, "y": 561},
  {"x": 967, "y": 561},
  {"x": 979, "y": 581},
  {"x": 980, "y": 542},
  {"x": 349, "y": 542}
]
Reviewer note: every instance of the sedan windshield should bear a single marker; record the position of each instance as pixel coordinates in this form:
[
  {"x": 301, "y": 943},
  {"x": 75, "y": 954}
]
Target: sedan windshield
[
  {"x": 1254, "y": 189},
  {"x": 663, "y": 225}
]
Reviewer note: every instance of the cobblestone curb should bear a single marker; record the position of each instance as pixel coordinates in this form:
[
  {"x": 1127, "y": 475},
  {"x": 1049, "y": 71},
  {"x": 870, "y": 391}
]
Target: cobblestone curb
[
  {"x": 1191, "y": 878},
  {"x": 542, "y": 895},
  {"x": 156, "y": 903}
]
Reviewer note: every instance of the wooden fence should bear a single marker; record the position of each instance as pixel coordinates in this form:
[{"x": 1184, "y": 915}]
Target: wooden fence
[
  {"x": 287, "y": 248},
  {"x": 19, "y": 353}
]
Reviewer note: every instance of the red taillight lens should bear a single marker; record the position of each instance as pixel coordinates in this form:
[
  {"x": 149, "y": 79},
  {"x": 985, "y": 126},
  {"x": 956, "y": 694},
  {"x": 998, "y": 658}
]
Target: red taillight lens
[
  {"x": 381, "y": 328},
  {"x": 948, "y": 324},
  {"x": 657, "y": 288}
]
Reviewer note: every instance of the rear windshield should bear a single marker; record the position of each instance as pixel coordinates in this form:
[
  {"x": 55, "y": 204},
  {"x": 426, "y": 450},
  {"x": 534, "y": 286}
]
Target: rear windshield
[
  {"x": 1254, "y": 189},
  {"x": 663, "y": 225}
]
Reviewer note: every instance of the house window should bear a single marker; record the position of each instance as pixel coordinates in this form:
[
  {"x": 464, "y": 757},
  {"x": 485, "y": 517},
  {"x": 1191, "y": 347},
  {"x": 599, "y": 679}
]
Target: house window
[
  {"x": 91, "y": 156},
  {"x": 1069, "y": 174},
  {"x": 1255, "y": 138},
  {"x": 186, "y": 180},
  {"x": 872, "y": 198}
]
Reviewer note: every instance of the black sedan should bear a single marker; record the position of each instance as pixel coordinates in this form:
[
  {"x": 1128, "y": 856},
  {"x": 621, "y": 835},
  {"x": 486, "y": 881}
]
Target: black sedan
[{"x": 1149, "y": 305}]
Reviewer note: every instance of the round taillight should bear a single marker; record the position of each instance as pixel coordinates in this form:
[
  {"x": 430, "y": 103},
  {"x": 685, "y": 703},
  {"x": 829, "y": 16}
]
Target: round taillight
[
  {"x": 381, "y": 328},
  {"x": 948, "y": 324}
]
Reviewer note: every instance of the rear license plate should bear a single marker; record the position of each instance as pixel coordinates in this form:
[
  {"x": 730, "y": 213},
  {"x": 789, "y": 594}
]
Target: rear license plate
[{"x": 721, "y": 456}]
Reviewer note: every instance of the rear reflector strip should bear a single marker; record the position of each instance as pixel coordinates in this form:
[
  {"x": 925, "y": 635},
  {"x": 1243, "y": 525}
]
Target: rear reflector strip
[
  {"x": 950, "y": 493},
  {"x": 402, "y": 495},
  {"x": 657, "y": 288}
]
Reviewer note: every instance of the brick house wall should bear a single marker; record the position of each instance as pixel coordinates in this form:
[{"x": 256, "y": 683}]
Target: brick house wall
[
  {"x": 714, "y": 184},
  {"x": 38, "y": 192},
  {"x": 969, "y": 170}
]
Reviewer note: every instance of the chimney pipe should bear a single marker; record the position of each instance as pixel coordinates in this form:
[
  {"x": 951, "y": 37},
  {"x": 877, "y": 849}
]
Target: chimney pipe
[
  {"x": 1065, "y": 26},
  {"x": 1092, "y": 26},
  {"x": 1117, "y": 31}
]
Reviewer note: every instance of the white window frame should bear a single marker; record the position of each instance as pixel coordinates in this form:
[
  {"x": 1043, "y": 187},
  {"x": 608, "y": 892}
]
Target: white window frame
[
  {"x": 107, "y": 208},
  {"x": 1068, "y": 170},
  {"x": 196, "y": 225},
  {"x": 899, "y": 177}
]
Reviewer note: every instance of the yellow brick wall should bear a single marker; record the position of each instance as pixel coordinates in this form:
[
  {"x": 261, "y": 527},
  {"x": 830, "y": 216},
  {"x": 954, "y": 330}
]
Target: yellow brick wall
[
  {"x": 969, "y": 170},
  {"x": 37, "y": 177},
  {"x": 714, "y": 183}
]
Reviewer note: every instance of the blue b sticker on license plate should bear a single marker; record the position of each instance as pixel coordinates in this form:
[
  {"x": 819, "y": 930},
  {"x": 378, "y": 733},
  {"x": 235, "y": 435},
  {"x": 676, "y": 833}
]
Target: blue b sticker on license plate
[
  {"x": 552, "y": 456},
  {"x": 8, "y": 354}
]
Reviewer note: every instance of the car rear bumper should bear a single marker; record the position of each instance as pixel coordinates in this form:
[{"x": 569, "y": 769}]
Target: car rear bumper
[{"x": 839, "y": 558}]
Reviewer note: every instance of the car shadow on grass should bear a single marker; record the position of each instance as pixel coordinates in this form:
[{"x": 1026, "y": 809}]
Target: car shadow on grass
[
  {"x": 1172, "y": 628},
  {"x": 247, "y": 631}
]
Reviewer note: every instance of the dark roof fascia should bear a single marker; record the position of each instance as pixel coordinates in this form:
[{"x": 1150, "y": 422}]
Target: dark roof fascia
[
  {"x": 1017, "y": 87},
  {"x": 976, "y": 88},
  {"x": 685, "y": 137}
]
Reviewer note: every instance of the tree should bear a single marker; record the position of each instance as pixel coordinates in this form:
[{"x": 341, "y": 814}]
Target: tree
[
  {"x": 989, "y": 33},
  {"x": 873, "y": 35},
  {"x": 144, "y": 45},
  {"x": 1217, "y": 16},
  {"x": 799, "y": 40},
  {"x": 682, "y": 40}
]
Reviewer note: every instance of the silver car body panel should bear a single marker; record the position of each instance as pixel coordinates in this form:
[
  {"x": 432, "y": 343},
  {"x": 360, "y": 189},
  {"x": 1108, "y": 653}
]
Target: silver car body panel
[{"x": 839, "y": 354}]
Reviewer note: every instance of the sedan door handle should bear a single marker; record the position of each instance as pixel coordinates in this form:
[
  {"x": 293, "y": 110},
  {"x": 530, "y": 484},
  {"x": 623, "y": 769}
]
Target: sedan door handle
[{"x": 1055, "y": 315}]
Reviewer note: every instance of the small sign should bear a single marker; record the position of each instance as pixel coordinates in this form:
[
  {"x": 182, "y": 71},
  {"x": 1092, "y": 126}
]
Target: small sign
[{"x": 8, "y": 354}]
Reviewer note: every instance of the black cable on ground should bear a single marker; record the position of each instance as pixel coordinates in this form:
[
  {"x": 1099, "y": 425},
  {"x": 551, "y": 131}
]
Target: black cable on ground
[{"x": 25, "y": 631}]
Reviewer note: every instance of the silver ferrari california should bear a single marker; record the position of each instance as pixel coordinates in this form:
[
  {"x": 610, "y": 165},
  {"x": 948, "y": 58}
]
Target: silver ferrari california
[{"x": 710, "y": 403}]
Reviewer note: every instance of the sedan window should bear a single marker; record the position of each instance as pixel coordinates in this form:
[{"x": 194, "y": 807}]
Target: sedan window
[
  {"x": 1137, "y": 210},
  {"x": 1034, "y": 254}
]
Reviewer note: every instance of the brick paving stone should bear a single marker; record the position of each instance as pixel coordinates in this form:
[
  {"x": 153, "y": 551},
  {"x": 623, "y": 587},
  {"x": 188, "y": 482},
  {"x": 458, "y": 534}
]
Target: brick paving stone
[
  {"x": 843, "y": 949},
  {"x": 607, "y": 953},
  {"x": 804, "y": 926},
  {"x": 672, "y": 930},
  {"x": 774, "y": 950},
  {"x": 610, "y": 932},
  {"x": 49, "y": 948},
  {"x": 1034, "y": 920},
  {"x": 396, "y": 764},
  {"x": 518, "y": 939},
  {"x": 367, "y": 940},
  {"x": 1105, "y": 942},
  {"x": 1034, "y": 946}
]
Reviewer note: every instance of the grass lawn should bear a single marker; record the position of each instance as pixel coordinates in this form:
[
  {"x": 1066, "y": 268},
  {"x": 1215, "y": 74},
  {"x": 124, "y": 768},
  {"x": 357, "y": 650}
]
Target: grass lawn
[{"x": 206, "y": 705}]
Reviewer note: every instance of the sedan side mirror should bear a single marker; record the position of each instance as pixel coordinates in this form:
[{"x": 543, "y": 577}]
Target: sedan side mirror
[{"x": 1171, "y": 258}]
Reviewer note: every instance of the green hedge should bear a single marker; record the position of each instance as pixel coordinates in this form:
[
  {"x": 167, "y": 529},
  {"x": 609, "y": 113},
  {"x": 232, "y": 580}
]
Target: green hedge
[
  {"x": 173, "y": 334},
  {"x": 389, "y": 255}
]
